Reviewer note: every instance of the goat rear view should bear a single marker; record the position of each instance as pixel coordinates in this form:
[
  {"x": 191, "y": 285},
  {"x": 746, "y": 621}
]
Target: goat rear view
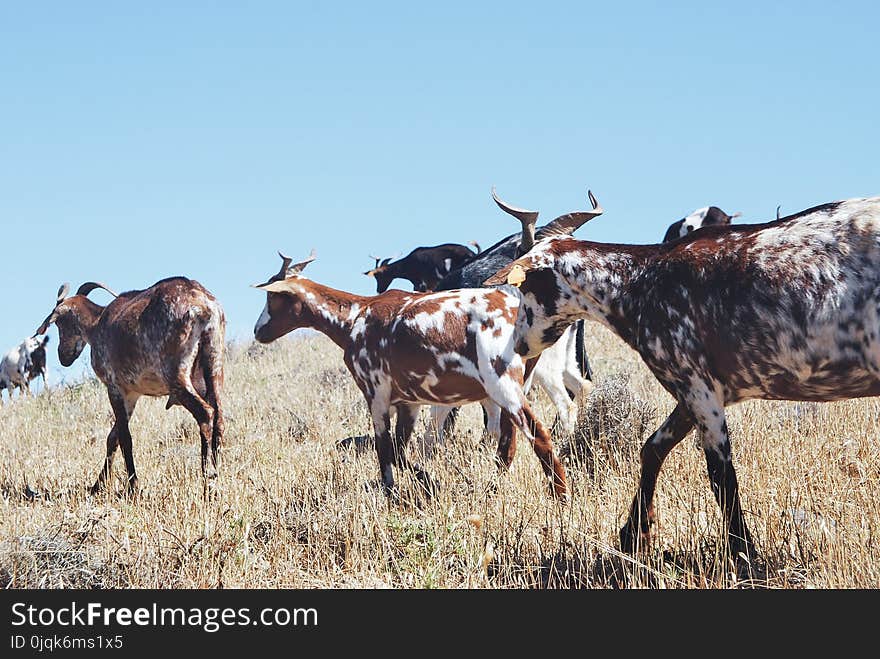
[
  {"x": 167, "y": 339},
  {"x": 22, "y": 364}
]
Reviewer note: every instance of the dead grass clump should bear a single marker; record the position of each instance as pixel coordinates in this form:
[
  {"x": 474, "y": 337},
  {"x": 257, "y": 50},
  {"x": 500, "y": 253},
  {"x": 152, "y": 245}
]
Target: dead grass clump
[
  {"x": 613, "y": 419},
  {"x": 52, "y": 562}
]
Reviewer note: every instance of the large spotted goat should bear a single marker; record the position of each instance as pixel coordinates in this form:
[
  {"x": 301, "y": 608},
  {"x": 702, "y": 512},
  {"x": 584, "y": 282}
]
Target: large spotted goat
[
  {"x": 405, "y": 350},
  {"x": 167, "y": 339},
  {"x": 785, "y": 310}
]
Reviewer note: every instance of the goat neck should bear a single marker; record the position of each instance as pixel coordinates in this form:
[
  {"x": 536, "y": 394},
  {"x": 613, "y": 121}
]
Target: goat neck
[
  {"x": 328, "y": 310},
  {"x": 595, "y": 283}
]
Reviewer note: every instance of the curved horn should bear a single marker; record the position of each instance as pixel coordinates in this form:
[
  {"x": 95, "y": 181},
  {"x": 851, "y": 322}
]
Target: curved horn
[
  {"x": 44, "y": 327},
  {"x": 526, "y": 218},
  {"x": 567, "y": 224},
  {"x": 296, "y": 268},
  {"x": 285, "y": 263},
  {"x": 777, "y": 211},
  {"x": 475, "y": 245},
  {"x": 379, "y": 267},
  {"x": 89, "y": 286}
]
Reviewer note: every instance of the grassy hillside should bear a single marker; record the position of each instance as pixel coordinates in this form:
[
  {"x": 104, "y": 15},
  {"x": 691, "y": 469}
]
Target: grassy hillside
[{"x": 295, "y": 508}]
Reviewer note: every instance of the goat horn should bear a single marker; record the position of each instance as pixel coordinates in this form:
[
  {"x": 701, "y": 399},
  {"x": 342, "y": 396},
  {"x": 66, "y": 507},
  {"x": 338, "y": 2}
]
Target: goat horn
[
  {"x": 567, "y": 224},
  {"x": 42, "y": 329},
  {"x": 62, "y": 292},
  {"x": 777, "y": 211},
  {"x": 89, "y": 286},
  {"x": 476, "y": 245},
  {"x": 526, "y": 218},
  {"x": 379, "y": 266},
  {"x": 296, "y": 268},
  {"x": 285, "y": 264}
]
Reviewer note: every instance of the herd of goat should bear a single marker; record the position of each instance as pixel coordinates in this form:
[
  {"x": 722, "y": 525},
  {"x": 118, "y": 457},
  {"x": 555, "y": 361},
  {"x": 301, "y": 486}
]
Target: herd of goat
[{"x": 719, "y": 312}]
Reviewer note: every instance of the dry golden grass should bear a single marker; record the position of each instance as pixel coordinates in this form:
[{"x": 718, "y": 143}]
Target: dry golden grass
[{"x": 293, "y": 509}]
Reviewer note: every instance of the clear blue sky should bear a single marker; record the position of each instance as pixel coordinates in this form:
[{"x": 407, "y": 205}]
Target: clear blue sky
[{"x": 197, "y": 138}]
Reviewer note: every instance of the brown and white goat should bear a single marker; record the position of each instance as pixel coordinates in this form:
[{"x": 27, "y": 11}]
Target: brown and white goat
[
  {"x": 167, "y": 339},
  {"x": 405, "y": 350},
  {"x": 562, "y": 370},
  {"x": 785, "y": 310}
]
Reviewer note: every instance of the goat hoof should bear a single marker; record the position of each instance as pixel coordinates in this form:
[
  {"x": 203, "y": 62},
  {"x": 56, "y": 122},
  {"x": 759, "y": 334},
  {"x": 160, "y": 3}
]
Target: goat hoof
[
  {"x": 133, "y": 489},
  {"x": 562, "y": 497},
  {"x": 631, "y": 541},
  {"x": 429, "y": 486},
  {"x": 392, "y": 493},
  {"x": 559, "y": 490},
  {"x": 749, "y": 566}
]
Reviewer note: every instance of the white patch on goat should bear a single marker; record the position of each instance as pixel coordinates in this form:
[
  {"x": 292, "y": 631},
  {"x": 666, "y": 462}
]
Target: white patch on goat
[
  {"x": 359, "y": 327},
  {"x": 693, "y": 221},
  {"x": 425, "y": 321}
]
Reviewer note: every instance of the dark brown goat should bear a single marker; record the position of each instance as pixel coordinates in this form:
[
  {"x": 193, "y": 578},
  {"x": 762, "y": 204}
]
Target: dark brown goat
[
  {"x": 423, "y": 267},
  {"x": 167, "y": 339}
]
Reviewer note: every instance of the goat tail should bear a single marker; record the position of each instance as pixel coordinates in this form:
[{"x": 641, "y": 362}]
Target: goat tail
[
  {"x": 581, "y": 352},
  {"x": 210, "y": 359}
]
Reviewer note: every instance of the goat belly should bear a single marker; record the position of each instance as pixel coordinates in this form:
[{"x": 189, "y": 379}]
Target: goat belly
[
  {"x": 443, "y": 388},
  {"x": 149, "y": 384}
]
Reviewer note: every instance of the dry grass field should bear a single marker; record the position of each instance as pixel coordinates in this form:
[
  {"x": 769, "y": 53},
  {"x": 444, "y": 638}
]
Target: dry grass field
[{"x": 294, "y": 508}]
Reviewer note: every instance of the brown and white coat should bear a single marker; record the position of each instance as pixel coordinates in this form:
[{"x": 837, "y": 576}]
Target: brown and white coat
[
  {"x": 785, "y": 310},
  {"x": 405, "y": 350}
]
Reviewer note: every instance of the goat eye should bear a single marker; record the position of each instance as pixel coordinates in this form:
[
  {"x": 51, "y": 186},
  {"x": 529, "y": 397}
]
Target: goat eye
[{"x": 689, "y": 229}]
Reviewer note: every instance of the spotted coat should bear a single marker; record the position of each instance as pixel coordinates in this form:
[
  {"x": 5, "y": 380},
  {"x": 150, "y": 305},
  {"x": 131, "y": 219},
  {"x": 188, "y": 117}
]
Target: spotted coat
[
  {"x": 22, "y": 364},
  {"x": 785, "y": 310},
  {"x": 405, "y": 350}
]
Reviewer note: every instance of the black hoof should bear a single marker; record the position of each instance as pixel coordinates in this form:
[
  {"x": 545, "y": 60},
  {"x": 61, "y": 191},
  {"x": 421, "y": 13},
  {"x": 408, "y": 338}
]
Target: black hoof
[{"x": 628, "y": 539}]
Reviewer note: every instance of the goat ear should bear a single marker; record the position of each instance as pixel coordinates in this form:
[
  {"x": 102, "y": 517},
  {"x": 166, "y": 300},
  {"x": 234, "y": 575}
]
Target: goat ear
[
  {"x": 42, "y": 329},
  {"x": 297, "y": 268},
  {"x": 279, "y": 286},
  {"x": 513, "y": 273}
]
